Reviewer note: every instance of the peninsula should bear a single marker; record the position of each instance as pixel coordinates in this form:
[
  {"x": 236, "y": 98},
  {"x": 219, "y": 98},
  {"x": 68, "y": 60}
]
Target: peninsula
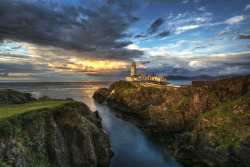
[{"x": 211, "y": 120}]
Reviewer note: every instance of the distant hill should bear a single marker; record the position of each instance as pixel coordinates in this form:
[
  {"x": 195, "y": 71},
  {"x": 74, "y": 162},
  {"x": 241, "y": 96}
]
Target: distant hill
[{"x": 198, "y": 77}]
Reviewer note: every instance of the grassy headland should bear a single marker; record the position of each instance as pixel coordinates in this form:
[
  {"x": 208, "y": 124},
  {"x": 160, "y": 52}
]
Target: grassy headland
[{"x": 213, "y": 119}]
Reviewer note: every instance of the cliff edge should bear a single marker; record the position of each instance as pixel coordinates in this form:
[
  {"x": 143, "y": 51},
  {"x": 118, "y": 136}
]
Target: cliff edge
[{"x": 50, "y": 132}]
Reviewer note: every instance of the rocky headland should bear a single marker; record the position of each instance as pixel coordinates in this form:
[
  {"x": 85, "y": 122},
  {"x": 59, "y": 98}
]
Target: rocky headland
[
  {"x": 50, "y": 132},
  {"x": 211, "y": 122}
]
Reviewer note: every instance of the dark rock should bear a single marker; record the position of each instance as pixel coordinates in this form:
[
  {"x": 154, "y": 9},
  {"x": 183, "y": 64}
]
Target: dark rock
[
  {"x": 8, "y": 96},
  {"x": 101, "y": 95},
  {"x": 98, "y": 119},
  {"x": 44, "y": 98}
]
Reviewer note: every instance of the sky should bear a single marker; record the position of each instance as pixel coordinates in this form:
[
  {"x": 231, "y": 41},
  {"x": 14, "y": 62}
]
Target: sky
[{"x": 64, "y": 40}]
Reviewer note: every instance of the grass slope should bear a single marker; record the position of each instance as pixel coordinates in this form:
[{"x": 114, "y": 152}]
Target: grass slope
[
  {"x": 7, "y": 110},
  {"x": 27, "y": 110},
  {"x": 229, "y": 123}
]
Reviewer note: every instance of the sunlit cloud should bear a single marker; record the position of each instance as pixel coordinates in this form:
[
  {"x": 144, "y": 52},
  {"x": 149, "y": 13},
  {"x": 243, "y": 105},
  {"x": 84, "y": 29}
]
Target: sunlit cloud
[
  {"x": 235, "y": 19},
  {"x": 97, "y": 65},
  {"x": 199, "y": 64},
  {"x": 186, "y": 28}
]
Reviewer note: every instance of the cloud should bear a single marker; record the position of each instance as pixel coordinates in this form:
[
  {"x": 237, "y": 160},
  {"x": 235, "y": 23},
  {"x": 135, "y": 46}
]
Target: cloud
[
  {"x": 163, "y": 34},
  {"x": 22, "y": 68},
  {"x": 199, "y": 47},
  {"x": 202, "y": 8},
  {"x": 155, "y": 26},
  {"x": 247, "y": 7},
  {"x": 145, "y": 62},
  {"x": 186, "y": 28},
  {"x": 207, "y": 64},
  {"x": 96, "y": 29},
  {"x": 158, "y": 1},
  {"x": 227, "y": 32},
  {"x": 16, "y": 47},
  {"x": 235, "y": 19},
  {"x": 198, "y": 64},
  {"x": 133, "y": 47},
  {"x": 190, "y": 1},
  {"x": 140, "y": 36},
  {"x": 4, "y": 74},
  {"x": 244, "y": 36}
]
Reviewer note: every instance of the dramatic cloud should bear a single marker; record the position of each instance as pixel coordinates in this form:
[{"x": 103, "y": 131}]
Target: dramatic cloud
[
  {"x": 235, "y": 20},
  {"x": 155, "y": 26},
  {"x": 98, "y": 39},
  {"x": 68, "y": 27},
  {"x": 244, "y": 36}
]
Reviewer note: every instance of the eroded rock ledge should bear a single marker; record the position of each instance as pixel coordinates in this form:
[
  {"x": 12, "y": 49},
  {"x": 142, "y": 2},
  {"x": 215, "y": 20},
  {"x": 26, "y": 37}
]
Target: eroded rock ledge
[{"x": 66, "y": 135}]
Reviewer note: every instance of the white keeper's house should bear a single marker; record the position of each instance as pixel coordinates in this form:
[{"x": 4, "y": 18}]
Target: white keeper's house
[{"x": 143, "y": 77}]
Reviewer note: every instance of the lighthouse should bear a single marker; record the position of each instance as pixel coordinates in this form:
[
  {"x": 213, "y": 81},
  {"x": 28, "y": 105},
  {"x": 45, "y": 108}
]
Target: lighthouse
[{"x": 133, "y": 69}]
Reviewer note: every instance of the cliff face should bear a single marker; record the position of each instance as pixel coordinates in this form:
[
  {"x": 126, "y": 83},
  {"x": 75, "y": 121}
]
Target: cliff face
[
  {"x": 67, "y": 134},
  {"x": 220, "y": 137},
  {"x": 168, "y": 110}
]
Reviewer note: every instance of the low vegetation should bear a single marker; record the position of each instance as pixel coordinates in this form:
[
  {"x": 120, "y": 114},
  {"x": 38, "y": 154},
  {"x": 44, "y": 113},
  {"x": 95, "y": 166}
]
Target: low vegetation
[
  {"x": 27, "y": 110},
  {"x": 228, "y": 123},
  {"x": 36, "y": 106}
]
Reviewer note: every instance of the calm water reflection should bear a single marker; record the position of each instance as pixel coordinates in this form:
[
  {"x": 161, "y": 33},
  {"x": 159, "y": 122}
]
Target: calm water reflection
[{"x": 132, "y": 147}]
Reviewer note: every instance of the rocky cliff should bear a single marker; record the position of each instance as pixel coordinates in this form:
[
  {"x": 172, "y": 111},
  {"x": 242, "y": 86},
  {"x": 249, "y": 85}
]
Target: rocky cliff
[
  {"x": 167, "y": 110},
  {"x": 49, "y": 132},
  {"x": 221, "y": 137}
]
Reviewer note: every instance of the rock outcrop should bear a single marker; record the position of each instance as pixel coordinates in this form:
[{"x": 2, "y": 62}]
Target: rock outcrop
[
  {"x": 167, "y": 110},
  {"x": 66, "y": 135},
  {"x": 8, "y": 96},
  {"x": 221, "y": 137},
  {"x": 101, "y": 95}
]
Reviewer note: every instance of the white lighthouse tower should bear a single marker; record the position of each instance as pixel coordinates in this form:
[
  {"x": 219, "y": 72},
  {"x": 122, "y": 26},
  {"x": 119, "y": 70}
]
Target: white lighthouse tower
[{"x": 133, "y": 69}]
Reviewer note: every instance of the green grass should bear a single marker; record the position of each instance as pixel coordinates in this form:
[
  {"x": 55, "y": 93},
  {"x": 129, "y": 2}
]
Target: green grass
[
  {"x": 27, "y": 110},
  {"x": 4, "y": 164},
  {"x": 228, "y": 122},
  {"x": 150, "y": 88},
  {"x": 7, "y": 111}
]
